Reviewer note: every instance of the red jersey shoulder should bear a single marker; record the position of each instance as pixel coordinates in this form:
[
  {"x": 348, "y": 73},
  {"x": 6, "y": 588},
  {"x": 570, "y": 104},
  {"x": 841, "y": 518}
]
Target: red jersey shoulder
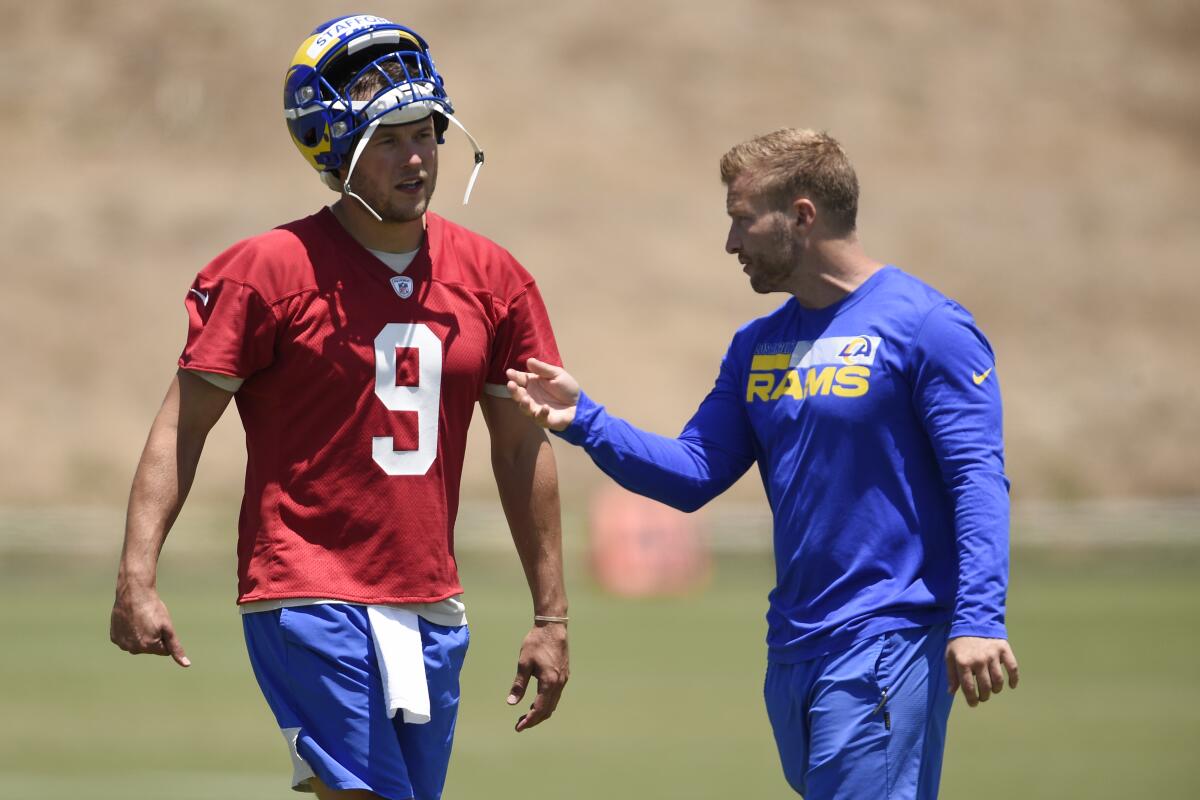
[
  {"x": 474, "y": 261},
  {"x": 273, "y": 264}
]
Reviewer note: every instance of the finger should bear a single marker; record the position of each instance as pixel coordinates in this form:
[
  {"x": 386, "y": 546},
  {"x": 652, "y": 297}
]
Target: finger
[
  {"x": 549, "y": 693},
  {"x": 543, "y": 705},
  {"x": 162, "y": 645},
  {"x": 520, "y": 682},
  {"x": 537, "y": 714},
  {"x": 951, "y": 674},
  {"x": 517, "y": 377},
  {"x": 126, "y": 644},
  {"x": 521, "y": 397},
  {"x": 118, "y": 638},
  {"x": 966, "y": 680},
  {"x": 518, "y": 394},
  {"x": 527, "y": 400},
  {"x": 542, "y": 369},
  {"x": 1010, "y": 666},
  {"x": 983, "y": 682},
  {"x": 532, "y": 407},
  {"x": 175, "y": 648},
  {"x": 121, "y": 633},
  {"x": 154, "y": 647},
  {"x": 996, "y": 676}
]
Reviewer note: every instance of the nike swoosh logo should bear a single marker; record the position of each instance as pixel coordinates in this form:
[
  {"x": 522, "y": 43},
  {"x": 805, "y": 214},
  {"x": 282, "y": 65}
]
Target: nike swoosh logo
[
  {"x": 975, "y": 376},
  {"x": 204, "y": 298}
]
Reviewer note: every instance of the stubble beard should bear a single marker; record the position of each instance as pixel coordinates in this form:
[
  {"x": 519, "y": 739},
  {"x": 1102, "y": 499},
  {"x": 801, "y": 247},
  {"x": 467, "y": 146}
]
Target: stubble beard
[
  {"x": 774, "y": 266},
  {"x": 404, "y": 215},
  {"x": 408, "y": 212},
  {"x": 396, "y": 211}
]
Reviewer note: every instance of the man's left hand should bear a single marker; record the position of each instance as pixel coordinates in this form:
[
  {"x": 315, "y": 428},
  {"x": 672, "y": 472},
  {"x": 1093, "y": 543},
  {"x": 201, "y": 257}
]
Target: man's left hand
[
  {"x": 543, "y": 656},
  {"x": 974, "y": 663}
]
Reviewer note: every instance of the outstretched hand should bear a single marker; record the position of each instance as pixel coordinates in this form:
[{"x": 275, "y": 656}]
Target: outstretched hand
[{"x": 547, "y": 394}]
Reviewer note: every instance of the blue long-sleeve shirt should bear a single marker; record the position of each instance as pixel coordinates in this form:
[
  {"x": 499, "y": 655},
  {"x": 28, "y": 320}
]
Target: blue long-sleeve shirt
[{"x": 876, "y": 426}]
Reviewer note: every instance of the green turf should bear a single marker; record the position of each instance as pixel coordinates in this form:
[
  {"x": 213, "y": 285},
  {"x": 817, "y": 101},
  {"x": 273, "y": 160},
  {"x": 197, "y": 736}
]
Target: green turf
[{"x": 664, "y": 700}]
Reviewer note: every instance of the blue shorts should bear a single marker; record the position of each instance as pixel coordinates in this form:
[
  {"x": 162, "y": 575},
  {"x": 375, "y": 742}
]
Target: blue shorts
[
  {"x": 317, "y": 668},
  {"x": 865, "y": 723}
]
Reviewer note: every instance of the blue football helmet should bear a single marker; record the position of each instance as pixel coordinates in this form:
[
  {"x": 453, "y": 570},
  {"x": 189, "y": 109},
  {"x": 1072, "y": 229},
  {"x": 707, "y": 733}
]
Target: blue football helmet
[{"x": 327, "y": 126}]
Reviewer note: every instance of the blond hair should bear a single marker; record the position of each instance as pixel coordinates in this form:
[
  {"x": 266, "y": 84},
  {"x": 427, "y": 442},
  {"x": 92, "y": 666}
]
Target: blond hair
[{"x": 792, "y": 162}]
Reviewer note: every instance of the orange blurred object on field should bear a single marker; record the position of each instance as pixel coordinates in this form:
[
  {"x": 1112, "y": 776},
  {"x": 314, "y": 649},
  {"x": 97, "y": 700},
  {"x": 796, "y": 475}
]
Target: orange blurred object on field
[{"x": 642, "y": 548}]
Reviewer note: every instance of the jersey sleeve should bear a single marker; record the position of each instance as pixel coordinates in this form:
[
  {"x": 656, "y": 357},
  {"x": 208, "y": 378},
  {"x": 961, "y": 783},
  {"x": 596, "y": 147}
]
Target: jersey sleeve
[
  {"x": 957, "y": 396},
  {"x": 714, "y": 449},
  {"x": 231, "y": 328},
  {"x": 523, "y": 332}
]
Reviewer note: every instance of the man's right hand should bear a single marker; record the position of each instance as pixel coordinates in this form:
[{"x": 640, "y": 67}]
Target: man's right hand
[
  {"x": 547, "y": 394},
  {"x": 141, "y": 624}
]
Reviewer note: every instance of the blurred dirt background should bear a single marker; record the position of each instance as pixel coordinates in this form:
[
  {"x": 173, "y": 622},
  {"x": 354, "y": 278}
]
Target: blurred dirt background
[{"x": 1038, "y": 161}]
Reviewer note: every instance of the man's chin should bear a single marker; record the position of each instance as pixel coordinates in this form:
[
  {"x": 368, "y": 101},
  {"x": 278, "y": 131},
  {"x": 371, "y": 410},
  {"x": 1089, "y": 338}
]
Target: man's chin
[
  {"x": 406, "y": 214},
  {"x": 761, "y": 285}
]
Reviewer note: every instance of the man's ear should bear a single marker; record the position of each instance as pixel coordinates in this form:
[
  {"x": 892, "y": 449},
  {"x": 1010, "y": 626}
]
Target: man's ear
[{"x": 804, "y": 212}]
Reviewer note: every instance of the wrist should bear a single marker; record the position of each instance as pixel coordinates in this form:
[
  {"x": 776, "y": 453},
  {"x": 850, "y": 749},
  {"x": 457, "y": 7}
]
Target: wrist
[
  {"x": 582, "y": 413},
  {"x": 550, "y": 606},
  {"x": 134, "y": 580},
  {"x": 569, "y": 419}
]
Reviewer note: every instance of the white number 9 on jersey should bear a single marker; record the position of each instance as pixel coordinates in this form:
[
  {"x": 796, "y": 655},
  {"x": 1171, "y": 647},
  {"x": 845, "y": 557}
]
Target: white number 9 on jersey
[{"x": 424, "y": 398}]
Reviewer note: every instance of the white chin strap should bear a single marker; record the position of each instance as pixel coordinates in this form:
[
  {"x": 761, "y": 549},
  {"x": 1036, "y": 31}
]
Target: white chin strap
[
  {"x": 413, "y": 111},
  {"x": 353, "y": 161},
  {"x": 478, "y": 156}
]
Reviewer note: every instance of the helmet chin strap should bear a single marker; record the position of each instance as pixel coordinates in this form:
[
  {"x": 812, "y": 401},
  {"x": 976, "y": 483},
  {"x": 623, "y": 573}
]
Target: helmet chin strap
[
  {"x": 478, "y": 156},
  {"x": 362, "y": 143},
  {"x": 354, "y": 162}
]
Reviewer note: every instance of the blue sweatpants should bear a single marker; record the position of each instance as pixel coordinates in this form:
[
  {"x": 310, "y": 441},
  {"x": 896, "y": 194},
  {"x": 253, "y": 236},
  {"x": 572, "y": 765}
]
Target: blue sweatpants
[{"x": 865, "y": 723}]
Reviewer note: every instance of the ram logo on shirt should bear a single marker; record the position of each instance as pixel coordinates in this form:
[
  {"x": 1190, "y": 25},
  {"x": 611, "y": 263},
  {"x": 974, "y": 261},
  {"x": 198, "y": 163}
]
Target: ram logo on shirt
[{"x": 837, "y": 365}]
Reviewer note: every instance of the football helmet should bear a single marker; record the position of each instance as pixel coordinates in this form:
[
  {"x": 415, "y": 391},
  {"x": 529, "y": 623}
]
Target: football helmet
[{"x": 328, "y": 127}]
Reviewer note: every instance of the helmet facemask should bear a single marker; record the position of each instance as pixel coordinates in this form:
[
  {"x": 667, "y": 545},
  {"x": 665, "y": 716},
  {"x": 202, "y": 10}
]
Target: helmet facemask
[{"x": 330, "y": 128}]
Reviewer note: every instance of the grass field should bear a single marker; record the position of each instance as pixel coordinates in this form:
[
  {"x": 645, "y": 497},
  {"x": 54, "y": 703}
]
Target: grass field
[{"x": 664, "y": 699}]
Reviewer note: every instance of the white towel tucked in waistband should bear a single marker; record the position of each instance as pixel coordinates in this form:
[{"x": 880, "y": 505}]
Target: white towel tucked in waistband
[{"x": 397, "y": 636}]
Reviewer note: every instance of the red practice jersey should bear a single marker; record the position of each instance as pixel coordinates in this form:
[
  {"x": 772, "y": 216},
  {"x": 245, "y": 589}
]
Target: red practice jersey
[{"x": 359, "y": 388}]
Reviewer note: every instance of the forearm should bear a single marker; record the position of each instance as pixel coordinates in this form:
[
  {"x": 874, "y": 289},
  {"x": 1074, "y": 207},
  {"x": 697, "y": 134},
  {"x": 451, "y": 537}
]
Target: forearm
[
  {"x": 981, "y": 522},
  {"x": 682, "y": 472},
  {"x": 160, "y": 485},
  {"x": 527, "y": 479}
]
